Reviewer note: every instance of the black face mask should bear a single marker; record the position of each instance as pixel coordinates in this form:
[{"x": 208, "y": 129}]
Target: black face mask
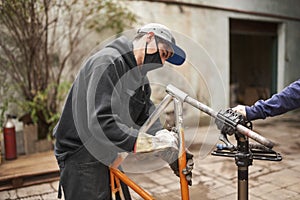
[{"x": 151, "y": 61}]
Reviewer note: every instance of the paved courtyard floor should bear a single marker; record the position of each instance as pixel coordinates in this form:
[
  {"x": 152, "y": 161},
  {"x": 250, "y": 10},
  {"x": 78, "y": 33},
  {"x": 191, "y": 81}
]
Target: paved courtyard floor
[{"x": 213, "y": 177}]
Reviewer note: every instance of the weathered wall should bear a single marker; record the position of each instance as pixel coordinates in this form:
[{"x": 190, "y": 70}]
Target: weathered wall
[
  {"x": 208, "y": 27},
  {"x": 202, "y": 29}
]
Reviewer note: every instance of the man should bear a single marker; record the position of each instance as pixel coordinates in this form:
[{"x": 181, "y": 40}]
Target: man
[
  {"x": 107, "y": 104},
  {"x": 288, "y": 99}
]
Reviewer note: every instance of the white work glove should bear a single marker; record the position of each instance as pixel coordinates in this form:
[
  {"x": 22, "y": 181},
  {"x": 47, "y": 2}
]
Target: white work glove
[
  {"x": 164, "y": 144},
  {"x": 241, "y": 109}
]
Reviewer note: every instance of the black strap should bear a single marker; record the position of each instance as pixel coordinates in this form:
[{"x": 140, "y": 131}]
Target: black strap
[
  {"x": 59, "y": 191},
  {"x": 61, "y": 164}
]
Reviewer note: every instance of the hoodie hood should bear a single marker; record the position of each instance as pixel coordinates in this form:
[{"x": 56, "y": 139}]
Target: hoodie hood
[{"x": 125, "y": 48}]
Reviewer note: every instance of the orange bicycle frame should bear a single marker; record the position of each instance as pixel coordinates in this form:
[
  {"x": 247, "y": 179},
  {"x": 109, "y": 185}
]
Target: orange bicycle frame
[{"x": 116, "y": 175}]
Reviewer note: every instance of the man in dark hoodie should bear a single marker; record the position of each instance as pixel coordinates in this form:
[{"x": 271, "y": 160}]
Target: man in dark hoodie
[{"x": 108, "y": 102}]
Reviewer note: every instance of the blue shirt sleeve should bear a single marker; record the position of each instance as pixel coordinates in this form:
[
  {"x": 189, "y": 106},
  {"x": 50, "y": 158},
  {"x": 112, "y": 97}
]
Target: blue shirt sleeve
[{"x": 288, "y": 99}]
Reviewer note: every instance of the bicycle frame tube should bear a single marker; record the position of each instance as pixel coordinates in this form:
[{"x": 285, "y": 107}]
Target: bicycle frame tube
[
  {"x": 156, "y": 113},
  {"x": 115, "y": 185},
  {"x": 184, "y": 97},
  {"x": 117, "y": 175},
  {"x": 178, "y": 105}
]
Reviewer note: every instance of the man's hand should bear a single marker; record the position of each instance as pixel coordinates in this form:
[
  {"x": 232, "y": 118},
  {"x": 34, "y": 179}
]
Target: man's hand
[
  {"x": 241, "y": 109},
  {"x": 188, "y": 170}
]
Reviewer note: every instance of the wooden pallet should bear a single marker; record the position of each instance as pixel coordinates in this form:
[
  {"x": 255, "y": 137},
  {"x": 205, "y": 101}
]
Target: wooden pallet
[{"x": 28, "y": 170}]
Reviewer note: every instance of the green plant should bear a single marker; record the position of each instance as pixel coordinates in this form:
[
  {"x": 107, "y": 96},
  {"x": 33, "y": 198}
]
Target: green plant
[
  {"x": 38, "y": 107},
  {"x": 39, "y": 39}
]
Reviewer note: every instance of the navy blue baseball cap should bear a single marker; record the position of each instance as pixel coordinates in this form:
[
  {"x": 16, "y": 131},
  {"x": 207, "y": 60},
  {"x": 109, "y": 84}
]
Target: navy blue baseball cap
[{"x": 164, "y": 33}]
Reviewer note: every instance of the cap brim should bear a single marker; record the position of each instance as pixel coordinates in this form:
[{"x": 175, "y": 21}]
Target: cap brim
[{"x": 178, "y": 57}]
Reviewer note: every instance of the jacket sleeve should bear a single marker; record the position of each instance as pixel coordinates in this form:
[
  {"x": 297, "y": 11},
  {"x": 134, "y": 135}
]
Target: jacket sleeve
[
  {"x": 151, "y": 107},
  {"x": 288, "y": 99},
  {"x": 103, "y": 107}
]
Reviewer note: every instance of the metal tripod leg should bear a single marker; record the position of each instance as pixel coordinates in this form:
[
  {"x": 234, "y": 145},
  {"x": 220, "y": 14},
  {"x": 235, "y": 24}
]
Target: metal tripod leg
[
  {"x": 243, "y": 160},
  {"x": 242, "y": 183}
]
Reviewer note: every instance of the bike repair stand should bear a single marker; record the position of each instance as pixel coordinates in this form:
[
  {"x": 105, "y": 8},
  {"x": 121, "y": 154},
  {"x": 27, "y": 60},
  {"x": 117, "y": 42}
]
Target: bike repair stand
[
  {"x": 244, "y": 155},
  {"x": 230, "y": 122}
]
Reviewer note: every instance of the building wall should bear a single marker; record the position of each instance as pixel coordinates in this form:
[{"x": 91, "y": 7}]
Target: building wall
[
  {"x": 202, "y": 76},
  {"x": 203, "y": 28}
]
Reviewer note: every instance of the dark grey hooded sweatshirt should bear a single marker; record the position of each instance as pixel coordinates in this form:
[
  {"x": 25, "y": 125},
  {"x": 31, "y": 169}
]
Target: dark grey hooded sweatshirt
[{"x": 107, "y": 104}]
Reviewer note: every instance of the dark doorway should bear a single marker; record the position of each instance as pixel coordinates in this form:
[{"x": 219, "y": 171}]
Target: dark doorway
[{"x": 253, "y": 61}]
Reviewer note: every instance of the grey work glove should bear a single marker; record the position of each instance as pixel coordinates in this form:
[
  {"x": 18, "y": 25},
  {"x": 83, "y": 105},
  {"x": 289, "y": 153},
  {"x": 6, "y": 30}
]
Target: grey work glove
[
  {"x": 164, "y": 143},
  {"x": 188, "y": 170}
]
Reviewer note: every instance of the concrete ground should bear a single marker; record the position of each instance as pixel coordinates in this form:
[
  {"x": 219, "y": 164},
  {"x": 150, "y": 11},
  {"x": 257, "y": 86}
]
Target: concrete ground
[{"x": 213, "y": 177}]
